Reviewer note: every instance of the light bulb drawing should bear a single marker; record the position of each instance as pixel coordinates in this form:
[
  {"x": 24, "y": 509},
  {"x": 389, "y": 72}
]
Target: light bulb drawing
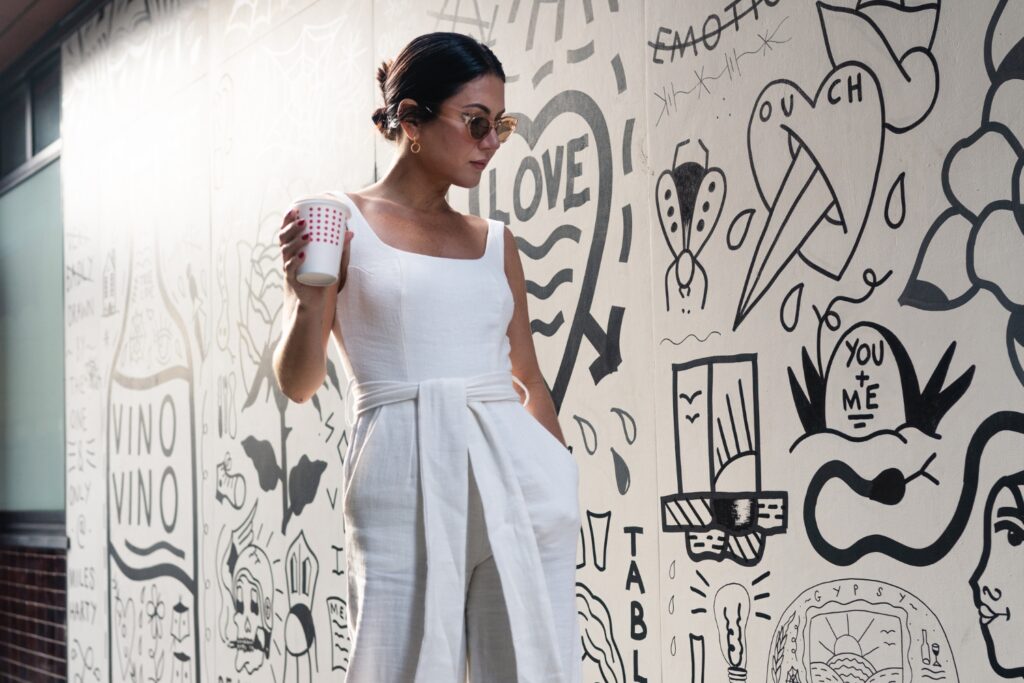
[
  {"x": 733, "y": 606},
  {"x": 732, "y": 612}
]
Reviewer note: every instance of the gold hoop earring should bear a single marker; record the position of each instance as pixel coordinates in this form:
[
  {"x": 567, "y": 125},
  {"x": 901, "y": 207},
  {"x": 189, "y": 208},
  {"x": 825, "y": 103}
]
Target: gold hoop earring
[{"x": 415, "y": 147}]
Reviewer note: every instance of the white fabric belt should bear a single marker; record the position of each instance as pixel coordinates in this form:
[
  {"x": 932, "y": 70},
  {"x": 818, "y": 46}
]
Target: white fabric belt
[
  {"x": 447, "y": 443},
  {"x": 491, "y": 386}
]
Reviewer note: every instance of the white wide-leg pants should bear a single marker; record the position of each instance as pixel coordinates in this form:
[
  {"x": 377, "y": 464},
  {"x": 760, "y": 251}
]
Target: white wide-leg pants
[{"x": 387, "y": 552}]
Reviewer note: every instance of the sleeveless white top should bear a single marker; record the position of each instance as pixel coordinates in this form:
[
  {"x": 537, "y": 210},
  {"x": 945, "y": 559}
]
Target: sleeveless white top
[
  {"x": 424, "y": 344},
  {"x": 409, "y": 316}
]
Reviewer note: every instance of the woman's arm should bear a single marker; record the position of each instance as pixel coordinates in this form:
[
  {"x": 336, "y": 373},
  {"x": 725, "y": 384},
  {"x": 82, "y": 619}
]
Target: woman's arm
[
  {"x": 308, "y": 317},
  {"x": 300, "y": 357},
  {"x": 523, "y": 354}
]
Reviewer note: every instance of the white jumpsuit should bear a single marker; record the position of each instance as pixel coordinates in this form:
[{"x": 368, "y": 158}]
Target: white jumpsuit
[{"x": 461, "y": 510}]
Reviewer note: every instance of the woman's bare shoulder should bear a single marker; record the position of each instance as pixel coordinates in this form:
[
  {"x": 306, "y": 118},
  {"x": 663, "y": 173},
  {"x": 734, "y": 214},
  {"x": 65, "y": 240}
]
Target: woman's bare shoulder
[
  {"x": 358, "y": 196},
  {"x": 478, "y": 222}
]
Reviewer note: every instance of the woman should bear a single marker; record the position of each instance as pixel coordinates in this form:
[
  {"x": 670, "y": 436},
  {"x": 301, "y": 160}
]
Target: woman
[{"x": 460, "y": 503}]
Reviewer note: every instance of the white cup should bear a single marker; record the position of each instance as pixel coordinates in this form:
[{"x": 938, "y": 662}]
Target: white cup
[{"x": 326, "y": 219}]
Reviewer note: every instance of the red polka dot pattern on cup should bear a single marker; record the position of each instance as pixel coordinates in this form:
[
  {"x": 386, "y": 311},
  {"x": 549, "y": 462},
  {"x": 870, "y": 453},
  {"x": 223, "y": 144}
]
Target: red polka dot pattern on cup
[{"x": 325, "y": 224}]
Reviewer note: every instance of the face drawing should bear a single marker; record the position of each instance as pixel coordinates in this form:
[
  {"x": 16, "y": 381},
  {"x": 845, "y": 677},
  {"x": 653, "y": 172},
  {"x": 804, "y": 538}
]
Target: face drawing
[
  {"x": 254, "y": 609},
  {"x": 998, "y": 583}
]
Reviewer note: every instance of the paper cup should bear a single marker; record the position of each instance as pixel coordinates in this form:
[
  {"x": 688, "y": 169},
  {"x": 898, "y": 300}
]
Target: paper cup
[{"x": 326, "y": 218}]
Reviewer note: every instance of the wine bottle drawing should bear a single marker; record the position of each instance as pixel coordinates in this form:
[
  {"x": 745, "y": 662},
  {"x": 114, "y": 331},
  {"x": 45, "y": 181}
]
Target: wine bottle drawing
[{"x": 151, "y": 481}]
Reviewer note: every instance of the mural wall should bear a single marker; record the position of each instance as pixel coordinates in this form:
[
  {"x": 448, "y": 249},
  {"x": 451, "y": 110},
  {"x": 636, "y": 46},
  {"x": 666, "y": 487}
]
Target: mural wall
[{"x": 773, "y": 256}]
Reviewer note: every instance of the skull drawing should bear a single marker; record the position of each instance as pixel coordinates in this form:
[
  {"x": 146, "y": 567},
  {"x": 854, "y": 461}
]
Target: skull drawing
[
  {"x": 253, "y": 595},
  {"x": 248, "y": 583}
]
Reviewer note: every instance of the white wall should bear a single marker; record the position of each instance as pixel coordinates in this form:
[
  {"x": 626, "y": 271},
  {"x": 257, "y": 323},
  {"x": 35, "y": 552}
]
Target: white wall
[{"x": 793, "y": 236}]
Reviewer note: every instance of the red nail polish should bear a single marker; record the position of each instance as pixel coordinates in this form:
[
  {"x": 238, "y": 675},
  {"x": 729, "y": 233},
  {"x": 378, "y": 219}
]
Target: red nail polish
[{"x": 302, "y": 254}]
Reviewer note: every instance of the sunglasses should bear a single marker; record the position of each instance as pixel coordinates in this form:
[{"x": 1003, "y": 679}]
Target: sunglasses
[{"x": 480, "y": 126}]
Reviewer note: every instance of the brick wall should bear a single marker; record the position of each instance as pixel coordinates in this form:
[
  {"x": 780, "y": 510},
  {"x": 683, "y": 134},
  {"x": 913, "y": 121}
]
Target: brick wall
[{"x": 32, "y": 614}]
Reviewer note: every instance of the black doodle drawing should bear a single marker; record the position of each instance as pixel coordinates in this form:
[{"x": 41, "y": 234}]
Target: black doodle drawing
[
  {"x": 638, "y": 630},
  {"x": 151, "y": 619},
  {"x": 789, "y": 313},
  {"x": 581, "y": 550},
  {"x": 341, "y": 645},
  {"x": 139, "y": 656},
  {"x": 700, "y": 340},
  {"x": 302, "y": 482},
  {"x": 181, "y": 669},
  {"x": 595, "y": 143},
  {"x": 893, "y": 41},
  {"x": 623, "y": 479},
  {"x": 330, "y": 381},
  {"x": 257, "y": 340},
  {"x": 718, "y": 503},
  {"x": 883, "y": 77},
  {"x": 731, "y": 608},
  {"x": 338, "y": 550},
  {"x": 247, "y": 582},
  {"x": 818, "y": 190},
  {"x": 126, "y": 639},
  {"x": 739, "y": 227},
  {"x": 466, "y": 23},
  {"x": 230, "y": 487},
  {"x": 82, "y": 664},
  {"x": 151, "y": 510},
  {"x": 696, "y": 658},
  {"x": 732, "y": 616},
  {"x": 628, "y": 424},
  {"x": 596, "y": 632},
  {"x": 155, "y": 612},
  {"x": 889, "y": 487},
  {"x": 200, "y": 326},
  {"x": 598, "y": 524},
  {"x": 703, "y": 81},
  {"x": 557, "y": 21},
  {"x": 301, "y": 571},
  {"x": 860, "y": 630},
  {"x": 707, "y": 35},
  {"x": 868, "y": 407},
  {"x": 588, "y": 433},
  {"x": 995, "y": 583},
  {"x": 227, "y": 413},
  {"x": 896, "y": 202},
  {"x": 981, "y": 180},
  {"x": 689, "y": 198},
  {"x": 778, "y": 653},
  {"x": 869, "y": 385},
  {"x": 109, "y": 290},
  {"x": 543, "y": 72},
  {"x": 579, "y": 296},
  {"x": 224, "y": 326}
]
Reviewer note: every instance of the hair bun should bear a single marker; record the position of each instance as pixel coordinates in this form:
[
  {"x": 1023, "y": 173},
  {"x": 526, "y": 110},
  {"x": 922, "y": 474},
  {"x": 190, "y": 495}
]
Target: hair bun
[{"x": 380, "y": 119}]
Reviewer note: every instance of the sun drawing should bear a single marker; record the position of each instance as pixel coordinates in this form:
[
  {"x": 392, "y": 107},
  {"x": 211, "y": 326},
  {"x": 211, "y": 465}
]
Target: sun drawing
[{"x": 856, "y": 647}]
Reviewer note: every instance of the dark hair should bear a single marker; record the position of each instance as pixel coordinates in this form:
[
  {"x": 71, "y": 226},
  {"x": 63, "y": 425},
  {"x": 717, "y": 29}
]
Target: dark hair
[{"x": 430, "y": 69}]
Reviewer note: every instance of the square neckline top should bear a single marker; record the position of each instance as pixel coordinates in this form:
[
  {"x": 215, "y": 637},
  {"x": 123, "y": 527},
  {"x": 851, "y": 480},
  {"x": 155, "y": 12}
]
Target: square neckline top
[{"x": 366, "y": 224}]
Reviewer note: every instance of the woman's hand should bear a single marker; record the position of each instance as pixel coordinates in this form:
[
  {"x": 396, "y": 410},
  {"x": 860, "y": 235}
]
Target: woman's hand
[{"x": 294, "y": 238}]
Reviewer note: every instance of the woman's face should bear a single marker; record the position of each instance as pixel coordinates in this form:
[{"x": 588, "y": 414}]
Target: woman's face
[
  {"x": 446, "y": 143},
  {"x": 998, "y": 582}
]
